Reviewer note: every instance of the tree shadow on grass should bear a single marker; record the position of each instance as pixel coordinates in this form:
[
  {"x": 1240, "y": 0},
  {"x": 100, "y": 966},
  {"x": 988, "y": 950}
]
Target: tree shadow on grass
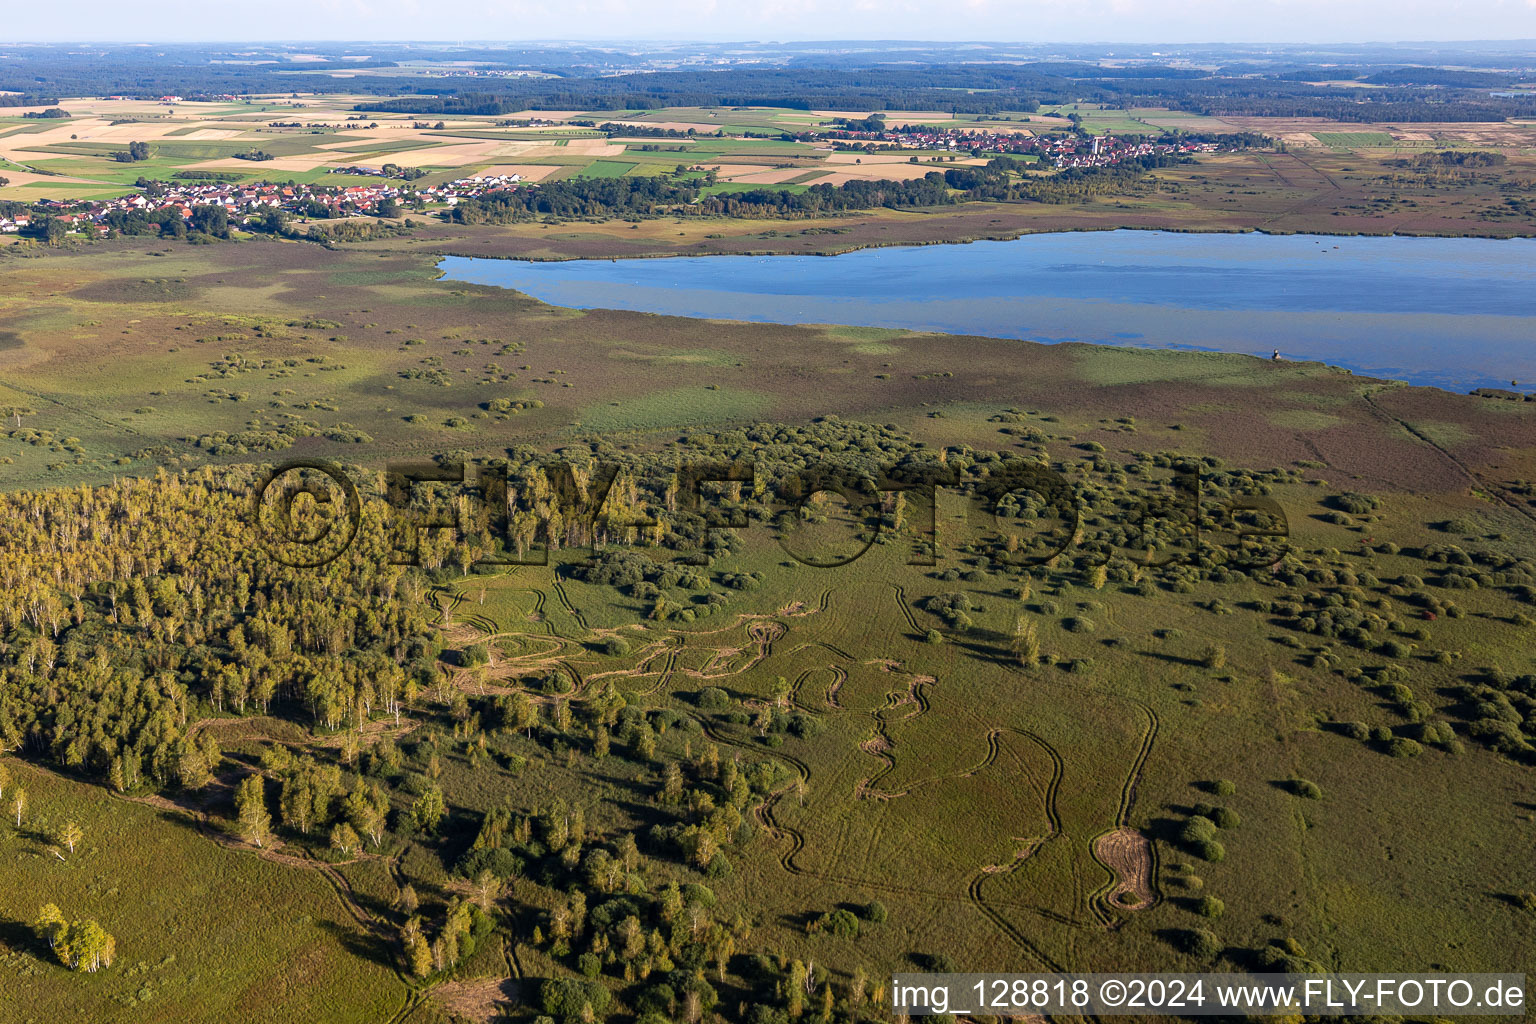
[
  {"x": 1172, "y": 659},
  {"x": 366, "y": 945},
  {"x": 19, "y": 936}
]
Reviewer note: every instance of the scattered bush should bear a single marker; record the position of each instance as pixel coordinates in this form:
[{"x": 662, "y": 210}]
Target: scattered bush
[
  {"x": 1198, "y": 829},
  {"x": 1226, "y": 818},
  {"x": 1201, "y": 943},
  {"x": 1210, "y": 906}
]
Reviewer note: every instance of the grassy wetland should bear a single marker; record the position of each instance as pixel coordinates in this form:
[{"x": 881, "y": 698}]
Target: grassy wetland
[{"x": 677, "y": 770}]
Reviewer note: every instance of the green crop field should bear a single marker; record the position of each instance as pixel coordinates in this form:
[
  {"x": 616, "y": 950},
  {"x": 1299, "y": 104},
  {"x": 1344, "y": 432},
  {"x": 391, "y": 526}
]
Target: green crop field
[
  {"x": 727, "y": 187},
  {"x": 607, "y": 169},
  {"x": 1346, "y": 140}
]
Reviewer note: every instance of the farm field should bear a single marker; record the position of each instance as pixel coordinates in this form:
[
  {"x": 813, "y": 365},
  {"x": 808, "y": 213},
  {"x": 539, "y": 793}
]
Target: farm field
[
  {"x": 1330, "y": 178},
  {"x": 310, "y": 138}
]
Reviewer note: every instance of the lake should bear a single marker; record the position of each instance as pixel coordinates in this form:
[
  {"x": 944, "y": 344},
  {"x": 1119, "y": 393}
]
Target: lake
[{"x": 1455, "y": 313}]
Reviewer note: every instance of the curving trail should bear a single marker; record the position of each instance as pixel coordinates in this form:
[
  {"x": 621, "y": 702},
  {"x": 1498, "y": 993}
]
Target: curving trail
[
  {"x": 978, "y": 900},
  {"x": 975, "y": 891},
  {"x": 1473, "y": 478},
  {"x": 764, "y": 810},
  {"x": 839, "y": 677},
  {"x": 993, "y": 749},
  {"x": 1133, "y": 779},
  {"x": 1053, "y": 787},
  {"x": 413, "y": 1000},
  {"x": 876, "y": 747},
  {"x": 906, "y": 609},
  {"x": 272, "y": 854},
  {"x": 565, "y": 602}
]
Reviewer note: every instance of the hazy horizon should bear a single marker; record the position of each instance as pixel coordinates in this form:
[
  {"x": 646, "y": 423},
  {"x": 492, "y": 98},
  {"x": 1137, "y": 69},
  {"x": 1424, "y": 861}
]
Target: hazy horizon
[{"x": 1135, "y": 22}]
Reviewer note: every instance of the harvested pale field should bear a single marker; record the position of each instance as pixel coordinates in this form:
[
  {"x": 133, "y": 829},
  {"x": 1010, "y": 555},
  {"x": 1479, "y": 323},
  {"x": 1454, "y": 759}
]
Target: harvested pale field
[
  {"x": 114, "y": 109},
  {"x": 592, "y": 147},
  {"x": 49, "y": 137},
  {"x": 880, "y": 172},
  {"x": 210, "y": 134},
  {"x": 1128, "y": 854},
  {"x": 892, "y": 116},
  {"x": 869, "y": 158},
  {"x": 142, "y": 131},
  {"x": 530, "y": 172},
  {"x": 97, "y": 131},
  {"x": 345, "y": 144},
  {"x": 565, "y": 154},
  {"x": 730, "y": 172},
  {"x": 775, "y": 176},
  {"x": 281, "y": 163},
  {"x": 452, "y": 156}
]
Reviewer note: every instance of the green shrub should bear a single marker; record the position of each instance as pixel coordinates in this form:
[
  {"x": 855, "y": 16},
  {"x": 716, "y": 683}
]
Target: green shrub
[
  {"x": 1201, "y": 943},
  {"x": 1210, "y": 906},
  {"x": 565, "y": 997},
  {"x": 1356, "y": 504},
  {"x": 1198, "y": 829},
  {"x": 712, "y": 698},
  {"x": 840, "y": 923},
  {"x": 1212, "y": 851}
]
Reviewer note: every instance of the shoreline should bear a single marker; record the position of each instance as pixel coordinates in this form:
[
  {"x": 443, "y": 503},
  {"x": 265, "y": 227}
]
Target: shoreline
[
  {"x": 999, "y": 237},
  {"x": 1486, "y": 386}
]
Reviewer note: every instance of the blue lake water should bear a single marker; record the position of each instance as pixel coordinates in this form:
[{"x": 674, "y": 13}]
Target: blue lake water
[{"x": 1455, "y": 313}]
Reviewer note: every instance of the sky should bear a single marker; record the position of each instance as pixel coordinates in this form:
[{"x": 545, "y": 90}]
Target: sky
[{"x": 1126, "y": 21}]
